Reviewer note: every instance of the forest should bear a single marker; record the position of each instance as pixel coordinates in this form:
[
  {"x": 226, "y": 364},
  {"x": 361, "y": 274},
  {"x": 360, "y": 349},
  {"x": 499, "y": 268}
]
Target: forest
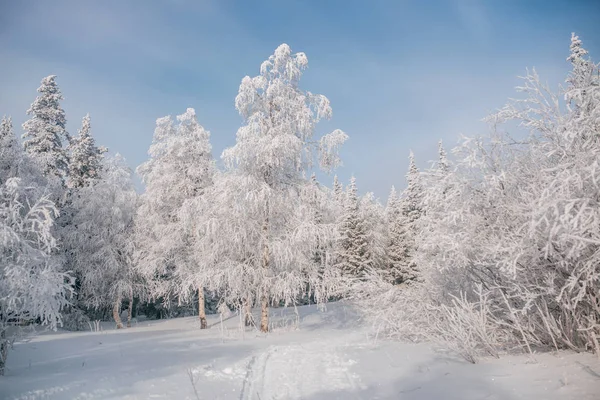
[{"x": 494, "y": 249}]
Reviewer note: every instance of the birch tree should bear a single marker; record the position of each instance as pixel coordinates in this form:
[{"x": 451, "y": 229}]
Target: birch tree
[
  {"x": 32, "y": 287},
  {"x": 102, "y": 238},
  {"x": 268, "y": 240},
  {"x": 178, "y": 172}
]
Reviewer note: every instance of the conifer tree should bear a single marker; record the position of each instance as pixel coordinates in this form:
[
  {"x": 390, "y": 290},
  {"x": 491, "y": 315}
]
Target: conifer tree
[
  {"x": 410, "y": 210},
  {"x": 10, "y": 153},
  {"x": 86, "y": 158},
  {"x": 413, "y": 194},
  {"x": 354, "y": 256},
  {"x": 14, "y": 163},
  {"x": 396, "y": 249},
  {"x": 6, "y": 129},
  {"x": 45, "y": 131},
  {"x": 443, "y": 165},
  {"x": 338, "y": 190}
]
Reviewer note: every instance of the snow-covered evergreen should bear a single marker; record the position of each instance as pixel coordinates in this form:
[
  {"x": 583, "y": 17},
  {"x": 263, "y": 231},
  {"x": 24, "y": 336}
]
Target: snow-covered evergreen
[
  {"x": 45, "y": 132},
  {"x": 412, "y": 197},
  {"x": 10, "y": 151},
  {"x": 85, "y": 157},
  {"x": 354, "y": 254},
  {"x": 396, "y": 249},
  {"x": 406, "y": 228},
  {"x": 338, "y": 190},
  {"x": 443, "y": 164},
  {"x": 373, "y": 215}
]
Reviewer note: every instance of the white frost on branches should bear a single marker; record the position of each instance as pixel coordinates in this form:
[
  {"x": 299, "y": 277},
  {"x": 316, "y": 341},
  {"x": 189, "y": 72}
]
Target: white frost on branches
[
  {"x": 509, "y": 239},
  {"x": 86, "y": 158},
  {"x": 179, "y": 171},
  {"x": 46, "y": 132},
  {"x": 31, "y": 283},
  {"x": 101, "y": 236},
  {"x": 257, "y": 235}
]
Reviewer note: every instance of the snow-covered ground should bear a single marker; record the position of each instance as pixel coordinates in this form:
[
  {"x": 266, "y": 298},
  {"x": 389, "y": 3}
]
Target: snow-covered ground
[{"x": 327, "y": 357}]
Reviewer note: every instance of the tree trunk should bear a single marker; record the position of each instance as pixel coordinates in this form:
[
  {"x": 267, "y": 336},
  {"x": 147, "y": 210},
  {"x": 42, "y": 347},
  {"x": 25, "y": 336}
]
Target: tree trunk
[
  {"x": 264, "y": 301},
  {"x": 248, "y": 318},
  {"x": 201, "y": 308},
  {"x": 264, "y": 313},
  {"x": 130, "y": 309},
  {"x": 3, "y": 351},
  {"x": 117, "y": 313}
]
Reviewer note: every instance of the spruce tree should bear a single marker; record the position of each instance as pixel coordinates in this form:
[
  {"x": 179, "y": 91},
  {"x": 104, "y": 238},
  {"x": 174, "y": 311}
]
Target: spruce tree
[
  {"x": 10, "y": 153},
  {"x": 410, "y": 212},
  {"x": 338, "y": 190},
  {"x": 6, "y": 128},
  {"x": 86, "y": 158},
  {"x": 46, "y": 130},
  {"x": 443, "y": 165},
  {"x": 413, "y": 194},
  {"x": 354, "y": 253},
  {"x": 396, "y": 249}
]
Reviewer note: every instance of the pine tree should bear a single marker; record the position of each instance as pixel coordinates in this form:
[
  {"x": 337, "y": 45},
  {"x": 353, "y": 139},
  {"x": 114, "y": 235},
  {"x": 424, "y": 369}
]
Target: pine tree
[
  {"x": 46, "y": 130},
  {"x": 411, "y": 210},
  {"x": 582, "y": 91},
  {"x": 354, "y": 252},
  {"x": 14, "y": 163},
  {"x": 443, "y": 165},
  {"x": 581, "y": 66},
  {"x": 338, "y": 190},
  {"x": 6, "y": 129},
  {"x": 396, "y": 250},
  {"x": 10, "y": 152},
  {"x": 413, "y": 194},
  {"x": 86, "y": 158}
]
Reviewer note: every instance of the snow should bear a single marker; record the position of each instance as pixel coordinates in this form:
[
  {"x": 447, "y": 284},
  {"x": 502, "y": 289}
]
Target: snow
[{"x": 329, "y": 355}]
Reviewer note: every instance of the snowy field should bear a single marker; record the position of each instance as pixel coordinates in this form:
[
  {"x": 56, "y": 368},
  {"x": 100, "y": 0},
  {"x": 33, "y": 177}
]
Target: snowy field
[{"x": 327, "y": 357}]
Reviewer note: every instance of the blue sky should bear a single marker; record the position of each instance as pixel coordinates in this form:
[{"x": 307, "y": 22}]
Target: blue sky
[{"x": 400, "y": 74}]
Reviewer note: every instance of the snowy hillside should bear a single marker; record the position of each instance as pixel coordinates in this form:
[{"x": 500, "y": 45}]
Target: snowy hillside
[{"x": 326, "y": 357}]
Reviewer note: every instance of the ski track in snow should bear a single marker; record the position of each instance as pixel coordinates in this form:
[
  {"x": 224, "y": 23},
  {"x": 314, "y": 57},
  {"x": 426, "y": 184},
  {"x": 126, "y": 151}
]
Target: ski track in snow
[{"x": 298, "y": 371}]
